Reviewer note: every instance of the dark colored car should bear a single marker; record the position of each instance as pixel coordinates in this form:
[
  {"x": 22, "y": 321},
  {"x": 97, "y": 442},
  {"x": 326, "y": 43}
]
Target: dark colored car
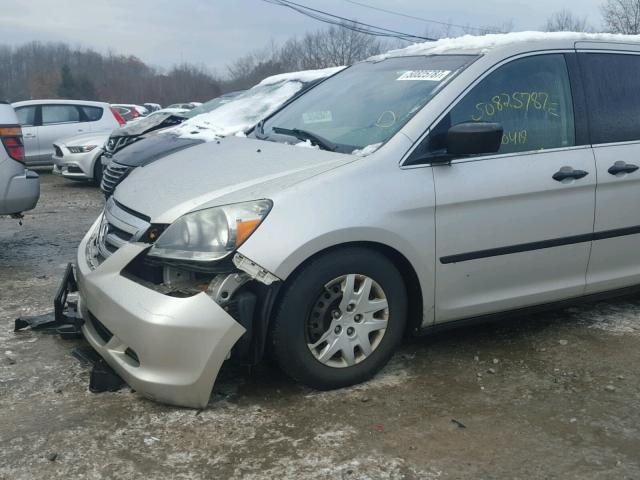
[
  {"x": 242, "y": 110},
  {"x": 139, "y": 154}
]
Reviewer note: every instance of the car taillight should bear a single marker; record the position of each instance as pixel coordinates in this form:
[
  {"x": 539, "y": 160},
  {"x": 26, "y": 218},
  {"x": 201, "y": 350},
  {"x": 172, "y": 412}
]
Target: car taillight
[
  {"x": 12, "y": 140},
  {"x": 117, "y": 116}
]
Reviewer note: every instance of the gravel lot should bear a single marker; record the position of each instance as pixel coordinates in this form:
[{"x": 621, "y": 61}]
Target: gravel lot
[{"x": 553, "y": 395}]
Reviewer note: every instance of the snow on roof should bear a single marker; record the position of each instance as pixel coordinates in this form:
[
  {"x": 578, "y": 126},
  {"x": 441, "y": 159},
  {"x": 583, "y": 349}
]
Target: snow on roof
[
  {"x": 303, "y": 76},
  {"x": 248, "y": 108},
  {"x": 484, "y": 43}
]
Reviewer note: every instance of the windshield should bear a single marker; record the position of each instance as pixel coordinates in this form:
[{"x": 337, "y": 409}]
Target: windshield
[
  {"x": 364, "y": 106},
  {"x": 211, "y": 104},
  {"x": 239, "y": 114}
]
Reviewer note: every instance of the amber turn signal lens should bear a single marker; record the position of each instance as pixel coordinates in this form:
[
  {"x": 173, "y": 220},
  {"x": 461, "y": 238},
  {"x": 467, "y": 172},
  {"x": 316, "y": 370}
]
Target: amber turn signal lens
[{"x": 244, "y": 229}]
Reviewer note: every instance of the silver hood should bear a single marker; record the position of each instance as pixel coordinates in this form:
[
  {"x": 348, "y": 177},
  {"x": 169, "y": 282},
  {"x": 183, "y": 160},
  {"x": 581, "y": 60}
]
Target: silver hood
[{"x": 218, "y": 173}]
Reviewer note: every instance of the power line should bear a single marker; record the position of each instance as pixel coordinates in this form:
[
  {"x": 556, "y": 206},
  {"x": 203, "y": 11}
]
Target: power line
[
  {"x": 344, "y": 22},
  {"x": 428, "y": 20}
]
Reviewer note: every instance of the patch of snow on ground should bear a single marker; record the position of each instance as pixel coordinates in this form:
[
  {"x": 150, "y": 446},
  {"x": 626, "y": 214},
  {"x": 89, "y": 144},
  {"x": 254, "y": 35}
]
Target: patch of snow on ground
[
  {"x": 484, "y": 43},
  {"x": 617, "y": 318}
]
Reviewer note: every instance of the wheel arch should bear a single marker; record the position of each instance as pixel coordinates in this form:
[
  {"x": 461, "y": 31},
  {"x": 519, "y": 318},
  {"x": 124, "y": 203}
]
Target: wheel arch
[
  {"x": 404, "y": 266},
  {"x": 95, "y": 161}
]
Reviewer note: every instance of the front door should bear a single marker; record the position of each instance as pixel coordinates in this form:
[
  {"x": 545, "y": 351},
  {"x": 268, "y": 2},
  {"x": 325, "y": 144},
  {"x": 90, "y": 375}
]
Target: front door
[{"x": 514, "y": 229}]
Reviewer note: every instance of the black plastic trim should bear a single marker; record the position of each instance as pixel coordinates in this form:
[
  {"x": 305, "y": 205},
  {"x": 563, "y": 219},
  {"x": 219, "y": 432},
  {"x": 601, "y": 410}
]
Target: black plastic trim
[
  {"x": 525, "y": 311},
  {"x": 580, "y": 112},
  {"x": 139, "y": 215},
  {"x": 540, "y": 245}
]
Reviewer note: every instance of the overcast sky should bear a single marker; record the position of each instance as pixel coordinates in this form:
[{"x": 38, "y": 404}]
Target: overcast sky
[{"x": 215, "y": 32}]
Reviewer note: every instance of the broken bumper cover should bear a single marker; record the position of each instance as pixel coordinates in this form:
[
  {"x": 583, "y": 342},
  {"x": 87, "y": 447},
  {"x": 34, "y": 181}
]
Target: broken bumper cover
[{"x": 166, "y": 348}]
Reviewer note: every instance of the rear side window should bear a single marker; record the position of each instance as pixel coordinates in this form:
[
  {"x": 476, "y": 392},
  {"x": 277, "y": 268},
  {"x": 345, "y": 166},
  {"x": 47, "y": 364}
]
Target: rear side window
[
  {"x": 613, "y": 96},
  {"x": 26, "y": 116},
  {"x": 92, "y": 114},
  {"x": 59, "y": 114},
  {"x": 531, "y": 99}
]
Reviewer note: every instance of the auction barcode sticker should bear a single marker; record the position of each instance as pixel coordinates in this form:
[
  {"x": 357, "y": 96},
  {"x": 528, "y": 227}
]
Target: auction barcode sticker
[
  {"x": 317, "y": 117},
  {"x": 432, "y": 75}
]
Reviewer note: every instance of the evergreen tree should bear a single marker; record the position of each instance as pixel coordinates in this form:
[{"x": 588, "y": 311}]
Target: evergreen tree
[
  {"x": 67, "y": 86},
  {"x": 85, "y": 90}
]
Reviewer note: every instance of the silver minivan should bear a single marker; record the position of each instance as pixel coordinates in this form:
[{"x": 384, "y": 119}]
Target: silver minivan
[
  {"x": 448, "y": 181},
  {"x": 19, "y": 187}
]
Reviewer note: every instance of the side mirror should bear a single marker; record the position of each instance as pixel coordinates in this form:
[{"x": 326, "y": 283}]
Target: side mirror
[{"x": 474, "y": 138}]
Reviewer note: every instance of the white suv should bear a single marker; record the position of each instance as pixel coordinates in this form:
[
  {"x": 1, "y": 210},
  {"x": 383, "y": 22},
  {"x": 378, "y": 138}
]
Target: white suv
[
  {"x": 19, "y": 187},
  {"x": 45, "y": 121}
]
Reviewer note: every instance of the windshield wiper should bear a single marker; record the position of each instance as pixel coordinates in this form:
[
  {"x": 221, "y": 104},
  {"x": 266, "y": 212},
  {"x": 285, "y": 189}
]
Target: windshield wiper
[{"x": 321, "y": 142}]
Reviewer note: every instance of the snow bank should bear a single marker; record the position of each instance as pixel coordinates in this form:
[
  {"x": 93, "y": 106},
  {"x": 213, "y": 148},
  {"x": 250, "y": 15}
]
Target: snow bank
[
  {"x": 484, "y": 43},
  {"x": 248, "y": 108}
]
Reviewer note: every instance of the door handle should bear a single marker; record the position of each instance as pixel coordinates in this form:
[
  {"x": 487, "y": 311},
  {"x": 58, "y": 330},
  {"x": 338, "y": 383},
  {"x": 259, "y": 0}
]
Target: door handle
[
  {"x": 29, "y": 135},
  {"x": 622, "y": 167},
  {"x": 569, "y": 173}
]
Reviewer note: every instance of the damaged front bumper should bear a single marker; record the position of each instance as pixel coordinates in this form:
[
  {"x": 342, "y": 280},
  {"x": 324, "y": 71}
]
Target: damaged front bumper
[{"x": 167, "y": 348}]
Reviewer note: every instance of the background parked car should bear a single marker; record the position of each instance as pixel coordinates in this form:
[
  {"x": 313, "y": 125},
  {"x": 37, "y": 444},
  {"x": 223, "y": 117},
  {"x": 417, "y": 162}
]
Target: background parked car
[
  {"x": 130, "y": 111},
  {"x": 19, "y": 187},
  {"x": 225, "y": 115},
  {"x": 152, "y": 107},
  {"x": 128, "y": 133},
  {"x": 167, "y": 117},
  {"x": 45, "y": 121},
  {"x": 186, "y": 106},
  {"x": 78, "y": 157}
]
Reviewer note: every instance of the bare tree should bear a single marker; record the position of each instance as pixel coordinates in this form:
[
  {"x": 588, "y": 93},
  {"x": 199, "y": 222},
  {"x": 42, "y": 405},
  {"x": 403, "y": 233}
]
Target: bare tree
[
  {"x": 622, "y": 16},
  {"x": 334, "y": 46},
  {"x": 565, "y": 21}
]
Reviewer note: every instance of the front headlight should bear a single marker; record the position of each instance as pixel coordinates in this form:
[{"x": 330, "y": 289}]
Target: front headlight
[
  {"x": 82, "y": 149},
  {"x": 210, "y": 234}
]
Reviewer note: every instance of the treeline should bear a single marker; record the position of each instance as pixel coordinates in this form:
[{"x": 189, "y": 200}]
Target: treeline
[{"x": 55, "y": 70}]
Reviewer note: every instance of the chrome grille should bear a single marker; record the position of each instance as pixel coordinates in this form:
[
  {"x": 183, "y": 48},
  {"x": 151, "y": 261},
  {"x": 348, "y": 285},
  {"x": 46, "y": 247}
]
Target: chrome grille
[
  {"x": 119, "y": 226},
  {"x": 118, "y": 143},
  {"x": 112, "y": 176}
]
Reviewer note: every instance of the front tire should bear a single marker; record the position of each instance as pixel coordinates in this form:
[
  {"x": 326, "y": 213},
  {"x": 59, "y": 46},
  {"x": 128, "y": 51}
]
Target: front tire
[
  {"x": 97, "y": 171},
  {"x": 340, "y": 319}
]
